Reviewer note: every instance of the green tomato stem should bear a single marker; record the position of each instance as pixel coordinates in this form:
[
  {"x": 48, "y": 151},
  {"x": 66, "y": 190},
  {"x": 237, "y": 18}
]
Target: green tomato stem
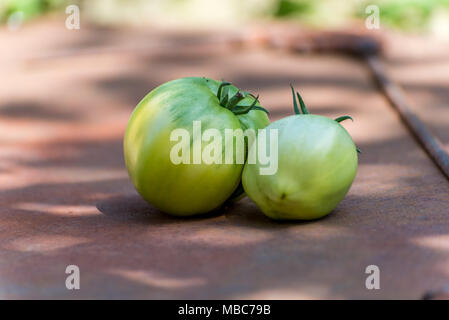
[
  {"x": 295, "y": 104},
  {"x": 342, "y": 118}
]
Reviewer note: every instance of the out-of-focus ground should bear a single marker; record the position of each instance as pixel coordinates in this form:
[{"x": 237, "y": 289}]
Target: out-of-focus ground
[{"x": 65, "y": 197}]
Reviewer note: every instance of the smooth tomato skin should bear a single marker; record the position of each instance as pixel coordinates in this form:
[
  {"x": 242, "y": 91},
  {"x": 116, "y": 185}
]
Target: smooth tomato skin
[
  {"x": 183, "y": 189},
  {"x": 317, "y": 165}
]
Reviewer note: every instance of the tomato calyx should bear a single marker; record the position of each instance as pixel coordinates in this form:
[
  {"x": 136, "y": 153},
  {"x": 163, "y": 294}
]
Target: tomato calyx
[
  {"x": 343, "y": 118},
  {"x": 302, "y": 108},
  {"x": 301, "y": 103},
  {"x": 232, "y": 103}
]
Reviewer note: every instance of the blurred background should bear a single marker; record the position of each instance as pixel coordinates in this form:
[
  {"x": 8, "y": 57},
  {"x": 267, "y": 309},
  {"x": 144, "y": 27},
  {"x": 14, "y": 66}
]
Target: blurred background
[
  {"x": 408, "y": 15},
  {"x": 65, "y": 197}
]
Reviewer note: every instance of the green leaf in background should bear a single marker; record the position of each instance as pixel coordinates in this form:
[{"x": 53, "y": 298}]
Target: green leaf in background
[
  {"x": 30, "y": 8},
  {"x": 287, "y": 8}
]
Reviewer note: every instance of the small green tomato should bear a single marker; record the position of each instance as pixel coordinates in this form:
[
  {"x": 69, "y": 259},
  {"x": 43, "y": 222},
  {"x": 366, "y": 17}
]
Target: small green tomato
[{"x": 317, "y": 163}]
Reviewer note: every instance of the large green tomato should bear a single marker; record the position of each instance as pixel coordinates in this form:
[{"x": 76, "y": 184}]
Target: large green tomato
[
  {"x": 187, "y": 188},
  {"x": 317, "y": 163}
]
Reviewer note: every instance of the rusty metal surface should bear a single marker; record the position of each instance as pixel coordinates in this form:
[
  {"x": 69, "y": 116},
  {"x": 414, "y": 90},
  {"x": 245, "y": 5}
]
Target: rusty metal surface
[
  {"x": 394, "y": 94},
  {"x": 65, "y": 197}
]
